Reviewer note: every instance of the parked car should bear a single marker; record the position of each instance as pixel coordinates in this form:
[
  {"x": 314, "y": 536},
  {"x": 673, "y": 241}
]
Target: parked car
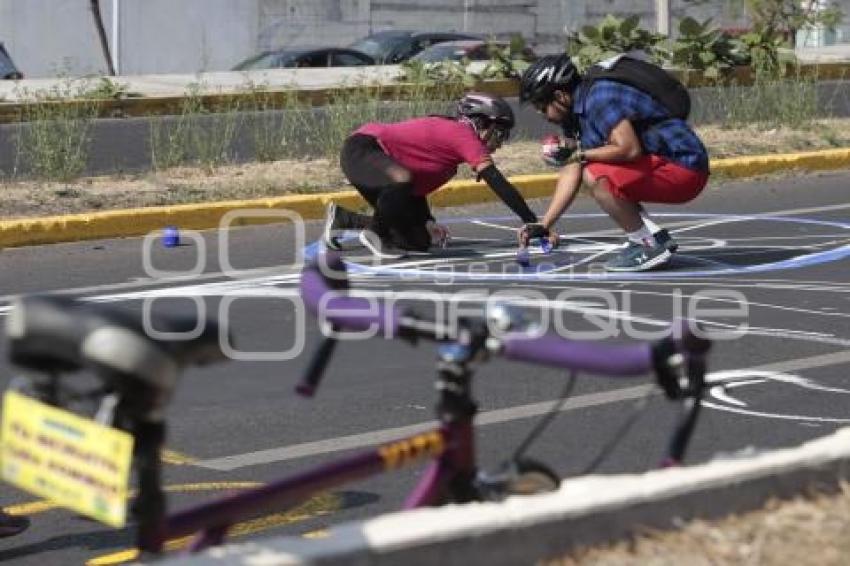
[
  {"x": 8, "y": 70},
  {"x": 473, "y": 50},
  {"x": 392, "y": 47},
  {"x": 305, "y": 57}
]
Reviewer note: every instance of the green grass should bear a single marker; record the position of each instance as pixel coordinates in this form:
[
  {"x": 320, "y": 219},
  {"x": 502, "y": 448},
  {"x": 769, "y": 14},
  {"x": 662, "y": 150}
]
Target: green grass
[
  {"x": 770, "y": 102},
  {"x": 53, "y": 138}
]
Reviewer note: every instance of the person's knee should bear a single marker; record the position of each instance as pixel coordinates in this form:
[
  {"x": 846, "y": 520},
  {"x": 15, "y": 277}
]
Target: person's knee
[
  {"x": 399, "y": 175},
  {"x": 600, "y": 189}
]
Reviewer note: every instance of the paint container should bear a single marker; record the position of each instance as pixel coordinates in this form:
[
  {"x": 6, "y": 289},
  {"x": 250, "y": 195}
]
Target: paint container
[
  {"x": 170, "y": 237},
  {"x": 523, "y": 258}
]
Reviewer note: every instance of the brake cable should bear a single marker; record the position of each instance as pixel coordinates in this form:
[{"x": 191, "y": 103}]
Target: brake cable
[
  {"x": 547, "y": 418},
  {"x": 639, "y": 408}
]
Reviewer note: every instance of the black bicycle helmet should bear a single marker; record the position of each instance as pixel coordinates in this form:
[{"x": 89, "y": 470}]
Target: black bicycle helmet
[
  {"x": 492, "y": 108},
  {"x": 546, "y": 75}
]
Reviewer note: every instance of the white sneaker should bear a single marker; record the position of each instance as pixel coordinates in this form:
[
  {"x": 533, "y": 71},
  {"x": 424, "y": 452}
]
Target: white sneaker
[
  {"x": 380, "y": 248},
  {"x": 331, "y": 228}
]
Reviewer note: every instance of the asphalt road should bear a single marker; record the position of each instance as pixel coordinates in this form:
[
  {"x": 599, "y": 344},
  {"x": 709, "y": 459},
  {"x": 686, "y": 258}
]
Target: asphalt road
[{"x": 767, "y": 257}]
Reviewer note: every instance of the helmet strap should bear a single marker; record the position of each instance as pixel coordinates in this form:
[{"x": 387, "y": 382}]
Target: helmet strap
[{"x": 472, "y": 122}]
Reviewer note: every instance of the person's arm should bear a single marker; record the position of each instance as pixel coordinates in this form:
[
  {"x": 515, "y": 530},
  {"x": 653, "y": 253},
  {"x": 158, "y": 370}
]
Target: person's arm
[
  {"x": 623, "y": 145},
  {"x": 569, "y": 180},
  {"x": 505, "y": 190}
]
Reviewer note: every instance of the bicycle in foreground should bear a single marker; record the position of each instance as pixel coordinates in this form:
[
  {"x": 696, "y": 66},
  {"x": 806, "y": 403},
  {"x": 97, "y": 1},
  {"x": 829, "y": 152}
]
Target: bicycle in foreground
[{"x": 139, "y": 374}]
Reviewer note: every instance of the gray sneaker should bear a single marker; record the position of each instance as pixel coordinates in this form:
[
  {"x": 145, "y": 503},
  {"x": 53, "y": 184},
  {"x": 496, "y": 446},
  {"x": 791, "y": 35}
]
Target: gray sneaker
[
  {"x": 665, "y": 240},
  {"x": 379, "y": 247},
  {"x": 638, "y": 257}
]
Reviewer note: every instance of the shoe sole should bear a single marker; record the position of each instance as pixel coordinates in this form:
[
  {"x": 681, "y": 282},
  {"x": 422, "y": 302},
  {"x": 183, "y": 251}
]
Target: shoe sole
[
  {"x": 328, "y": 238},
  {"x": 671, "y": 245},
  {"x": 376, "y": 250},
  {"x": 651, "y": 264}
]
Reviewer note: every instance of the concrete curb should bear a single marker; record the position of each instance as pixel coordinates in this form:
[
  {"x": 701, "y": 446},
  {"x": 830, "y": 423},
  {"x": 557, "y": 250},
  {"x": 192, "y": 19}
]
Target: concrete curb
[
  {"x": 585, "y": 511},
  {"x": 141, "y": 221}
]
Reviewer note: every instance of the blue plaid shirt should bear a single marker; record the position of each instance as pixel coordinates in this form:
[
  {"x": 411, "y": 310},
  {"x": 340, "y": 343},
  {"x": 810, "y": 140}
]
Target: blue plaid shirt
[{"x": 607, "y": 103}]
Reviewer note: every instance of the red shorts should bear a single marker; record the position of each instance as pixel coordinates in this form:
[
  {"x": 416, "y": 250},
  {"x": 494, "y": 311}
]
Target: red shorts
[{"x": 650, "y": 179}]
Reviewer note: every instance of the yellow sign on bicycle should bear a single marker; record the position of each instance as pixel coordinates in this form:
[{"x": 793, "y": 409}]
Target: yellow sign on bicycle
[{"x": 70, "y": 460}]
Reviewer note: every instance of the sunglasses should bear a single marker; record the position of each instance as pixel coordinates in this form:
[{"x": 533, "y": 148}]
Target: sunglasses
[{"x": 501, "y": 134}]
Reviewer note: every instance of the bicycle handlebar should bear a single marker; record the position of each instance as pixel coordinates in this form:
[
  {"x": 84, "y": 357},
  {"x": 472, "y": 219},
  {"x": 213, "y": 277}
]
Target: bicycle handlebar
[
  {"x": 323, "y": 287},
  {"x": 554, "y": 351},
  {"x": 323, "y": 293}
]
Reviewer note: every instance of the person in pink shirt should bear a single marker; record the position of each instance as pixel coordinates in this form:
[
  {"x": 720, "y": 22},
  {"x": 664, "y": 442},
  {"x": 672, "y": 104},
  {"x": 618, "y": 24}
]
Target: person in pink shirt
[{"x": 396, "y": 166}]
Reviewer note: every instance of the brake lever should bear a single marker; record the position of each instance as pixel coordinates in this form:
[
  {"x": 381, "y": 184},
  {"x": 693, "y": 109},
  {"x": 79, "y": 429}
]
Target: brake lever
[{"x": 691, "y": 397}]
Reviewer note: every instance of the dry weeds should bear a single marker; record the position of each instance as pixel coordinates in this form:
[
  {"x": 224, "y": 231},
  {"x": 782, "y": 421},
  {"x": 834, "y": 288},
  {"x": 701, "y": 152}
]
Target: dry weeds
[
  {"x": 804, "y": 532},
  {"x": 255, "y": 180}
]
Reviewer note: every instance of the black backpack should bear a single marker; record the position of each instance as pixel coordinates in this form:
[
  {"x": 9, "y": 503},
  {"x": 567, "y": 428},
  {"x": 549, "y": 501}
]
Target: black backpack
[{"x": 647, "y": 77}]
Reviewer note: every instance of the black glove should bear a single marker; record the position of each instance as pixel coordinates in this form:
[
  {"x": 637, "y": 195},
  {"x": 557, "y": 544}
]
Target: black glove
[
  {"x": 556, "y": 153},
  {"x": 535, "y": 230}
]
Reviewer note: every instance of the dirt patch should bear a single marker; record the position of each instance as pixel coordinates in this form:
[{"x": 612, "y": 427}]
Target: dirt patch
[
  {"x": 255, "y": 180},
  {"x": 804, "y": 532}
]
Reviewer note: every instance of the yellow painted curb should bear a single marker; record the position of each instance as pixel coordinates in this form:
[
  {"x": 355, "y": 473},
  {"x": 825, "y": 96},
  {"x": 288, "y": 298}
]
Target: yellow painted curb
[
  {"x": 764, "y": 164},
  {"x": 141, "y": 221},
  {"x": 202, "y": 216}
]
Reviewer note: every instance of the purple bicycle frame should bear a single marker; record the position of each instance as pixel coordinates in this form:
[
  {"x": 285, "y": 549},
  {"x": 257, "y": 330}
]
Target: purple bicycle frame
[{"x": 451, "y": 447}]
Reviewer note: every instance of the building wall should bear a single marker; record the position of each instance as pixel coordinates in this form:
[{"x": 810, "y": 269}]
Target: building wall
[
  {"x": 50, "y": 37},
  {"x": 187, "y": 36}
]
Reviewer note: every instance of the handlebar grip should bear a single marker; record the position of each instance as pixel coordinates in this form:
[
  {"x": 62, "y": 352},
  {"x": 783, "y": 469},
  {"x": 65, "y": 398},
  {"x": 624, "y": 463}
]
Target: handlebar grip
[
  {"x": 555, "y": 351},
  {"x": 324, "y": 289},
  {"x": 318, "y": 363}
]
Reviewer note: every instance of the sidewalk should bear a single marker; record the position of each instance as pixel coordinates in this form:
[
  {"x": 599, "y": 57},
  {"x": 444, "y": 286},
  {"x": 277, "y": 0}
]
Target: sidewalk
[
  {"x": 305, "y": 79},
  {"x": 211, "y": 83}
]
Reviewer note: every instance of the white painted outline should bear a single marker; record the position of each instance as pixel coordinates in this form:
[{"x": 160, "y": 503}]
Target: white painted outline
[{"x": 731, "y": 379}]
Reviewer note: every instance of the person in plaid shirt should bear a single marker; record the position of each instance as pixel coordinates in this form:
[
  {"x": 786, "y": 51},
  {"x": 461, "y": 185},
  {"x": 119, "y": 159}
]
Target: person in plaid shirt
[{"x": 626, "y": 148}]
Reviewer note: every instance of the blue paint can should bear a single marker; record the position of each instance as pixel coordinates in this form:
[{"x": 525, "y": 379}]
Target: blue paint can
[
  {"x": 523, "y": 258},
  {"x": 170, "y": 237}
]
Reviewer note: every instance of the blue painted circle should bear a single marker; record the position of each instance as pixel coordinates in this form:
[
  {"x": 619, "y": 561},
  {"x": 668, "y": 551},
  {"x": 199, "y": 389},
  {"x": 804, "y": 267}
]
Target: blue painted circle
[{"x": 541, "y": 272}]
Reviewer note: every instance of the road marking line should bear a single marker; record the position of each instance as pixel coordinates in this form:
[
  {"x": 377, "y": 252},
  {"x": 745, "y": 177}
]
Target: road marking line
[
  {"x": 35, "y": 507},
  {"x": 175, "y": 458},
  {"x": 296, "y": 451},
  {"x": 318, "y": 506}
]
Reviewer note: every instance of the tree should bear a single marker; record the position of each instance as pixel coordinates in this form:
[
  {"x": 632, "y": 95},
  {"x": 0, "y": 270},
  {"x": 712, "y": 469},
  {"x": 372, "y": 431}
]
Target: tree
[
  {"x": 787, "y": 17},
  {"x": 101, "y": 32}
]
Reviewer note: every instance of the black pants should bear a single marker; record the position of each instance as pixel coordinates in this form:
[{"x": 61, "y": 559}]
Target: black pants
[{"x": 400, "y": 216}]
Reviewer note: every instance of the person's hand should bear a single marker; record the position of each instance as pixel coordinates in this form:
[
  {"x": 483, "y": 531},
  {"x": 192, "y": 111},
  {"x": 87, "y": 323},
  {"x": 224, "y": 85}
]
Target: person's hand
[
  {"x": 557, "y": 153},
  {"x": 529, "y": 231},
  {"x": 440, "y": 235},
  {"x": 533, "y": 230}
]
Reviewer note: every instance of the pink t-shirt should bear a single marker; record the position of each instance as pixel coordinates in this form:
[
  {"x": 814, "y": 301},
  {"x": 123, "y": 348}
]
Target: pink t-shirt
[{"x": 431, "y": 148}]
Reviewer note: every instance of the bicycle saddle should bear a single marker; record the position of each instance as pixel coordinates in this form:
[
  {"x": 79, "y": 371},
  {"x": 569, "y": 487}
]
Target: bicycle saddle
[{"x": 59, "y": 334}]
